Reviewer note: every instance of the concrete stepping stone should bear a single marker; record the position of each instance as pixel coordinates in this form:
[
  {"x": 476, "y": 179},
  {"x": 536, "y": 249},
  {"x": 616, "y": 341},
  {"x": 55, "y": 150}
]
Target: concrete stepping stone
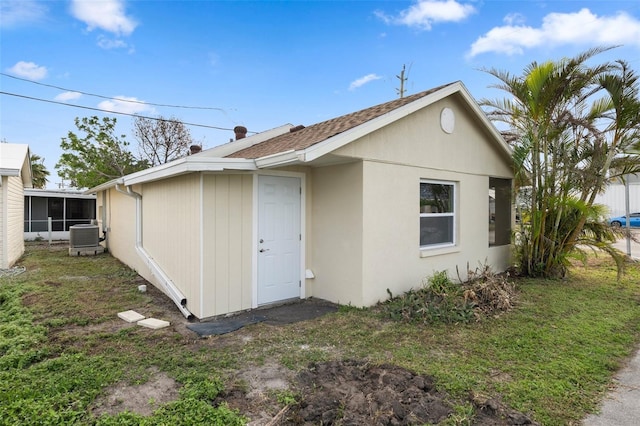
[
  {"x": 130, "y": 316},
  {"x": 154, "y": 323}
]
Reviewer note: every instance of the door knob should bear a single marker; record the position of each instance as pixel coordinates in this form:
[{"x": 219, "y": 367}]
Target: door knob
[{"x": 263, "y": 250}]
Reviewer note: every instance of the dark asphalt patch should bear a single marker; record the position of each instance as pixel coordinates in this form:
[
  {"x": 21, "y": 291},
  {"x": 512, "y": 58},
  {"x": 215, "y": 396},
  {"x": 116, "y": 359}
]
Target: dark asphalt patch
[{"x": 289, "y": 313}]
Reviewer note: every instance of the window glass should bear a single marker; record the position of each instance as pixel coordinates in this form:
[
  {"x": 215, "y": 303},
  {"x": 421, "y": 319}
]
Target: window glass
[
  {"x": 39, "y": 208},
  {"x": 79, "y": 211},
  {"x": 56, "y": 208},
  {"x": 437, "y": 214},
  {"x": 436, "y": 198},
  {"x": 436, "y": 230}
]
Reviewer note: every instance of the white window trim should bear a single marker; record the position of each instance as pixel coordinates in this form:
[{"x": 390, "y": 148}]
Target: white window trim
[{"x": 452, "y": 214}]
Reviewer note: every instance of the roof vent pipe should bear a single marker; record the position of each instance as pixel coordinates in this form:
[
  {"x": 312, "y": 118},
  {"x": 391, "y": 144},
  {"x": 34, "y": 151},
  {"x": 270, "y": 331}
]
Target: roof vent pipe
[{"x": 240, "y": 131}]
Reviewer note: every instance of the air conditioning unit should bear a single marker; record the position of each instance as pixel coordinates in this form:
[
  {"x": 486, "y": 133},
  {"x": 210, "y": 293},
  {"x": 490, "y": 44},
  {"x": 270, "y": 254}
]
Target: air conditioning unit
[{"x": 84, "y": 236}]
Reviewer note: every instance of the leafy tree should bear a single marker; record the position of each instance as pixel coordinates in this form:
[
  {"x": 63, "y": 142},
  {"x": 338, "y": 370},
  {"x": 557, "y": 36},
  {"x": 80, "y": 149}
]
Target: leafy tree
[
  {"x": 573, "y": 128},
  {"x": 39, "y": 172},
  {"x": 98, "y": 156},
  {"x": 161, "y": 140}
]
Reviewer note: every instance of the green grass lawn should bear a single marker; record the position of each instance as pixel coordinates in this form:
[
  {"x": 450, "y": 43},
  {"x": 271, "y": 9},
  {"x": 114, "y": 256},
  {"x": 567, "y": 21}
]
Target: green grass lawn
[{"x": 552, "y": 356}]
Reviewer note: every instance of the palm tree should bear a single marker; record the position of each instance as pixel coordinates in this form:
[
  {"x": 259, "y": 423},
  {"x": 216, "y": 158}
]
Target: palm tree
[
  {"x": 572, "y": 127},
  {"x": 39, "y": 172}
]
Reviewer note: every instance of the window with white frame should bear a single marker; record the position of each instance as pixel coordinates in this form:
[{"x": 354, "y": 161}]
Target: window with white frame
[{"x": 437, "y": 213}]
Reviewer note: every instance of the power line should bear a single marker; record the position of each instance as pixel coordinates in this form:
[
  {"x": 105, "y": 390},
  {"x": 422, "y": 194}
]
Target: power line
[
  {"x": 114, "y": 112},
  {"x": 108, "y": 97}
]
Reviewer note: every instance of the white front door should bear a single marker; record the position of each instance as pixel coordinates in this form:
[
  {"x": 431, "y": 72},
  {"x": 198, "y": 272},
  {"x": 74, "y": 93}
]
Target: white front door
[{"x": 279, "y": 238}]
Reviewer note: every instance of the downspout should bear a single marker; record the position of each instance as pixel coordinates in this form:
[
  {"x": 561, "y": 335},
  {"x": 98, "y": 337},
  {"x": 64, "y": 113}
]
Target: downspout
[
  {"x": 172, "y": 291},
  {"x": 103, "y": 218}
]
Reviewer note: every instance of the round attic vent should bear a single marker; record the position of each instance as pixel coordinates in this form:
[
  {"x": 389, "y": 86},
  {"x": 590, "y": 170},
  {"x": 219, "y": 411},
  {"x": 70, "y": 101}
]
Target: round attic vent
[{"x": 447, "y": 120}]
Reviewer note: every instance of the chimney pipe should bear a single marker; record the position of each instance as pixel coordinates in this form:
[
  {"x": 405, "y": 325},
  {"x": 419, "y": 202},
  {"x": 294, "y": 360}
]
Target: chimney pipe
[{"x": 240, "y": 131}]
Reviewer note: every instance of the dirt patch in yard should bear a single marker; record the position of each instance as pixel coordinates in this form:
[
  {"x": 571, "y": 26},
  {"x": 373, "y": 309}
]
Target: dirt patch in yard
[
  {"x": 142, "y": 399},
  {"x": 336, "y": 392},
  {"x": 357, "y": 393},
  {"x": 342, "y": 392}
]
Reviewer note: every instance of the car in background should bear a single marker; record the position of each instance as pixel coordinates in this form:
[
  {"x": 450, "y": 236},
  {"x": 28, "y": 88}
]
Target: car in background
[{"x": 618, "y": 221}]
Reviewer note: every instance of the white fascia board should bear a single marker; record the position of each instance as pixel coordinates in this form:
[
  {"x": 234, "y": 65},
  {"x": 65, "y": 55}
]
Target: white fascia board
[
  {"x": 188, "y": 165},
  {"x": 9, "y": 172},
  {"x": 485, "y": 120},
  {"x": 325, "y": 147},
  {"x": 35, "y": 192},
  {"x": 342, "y": 139},
  {"x": 240, "y": 144},
  {"x": 104, "y": 186},
  {"x": 279, "y": 159}
]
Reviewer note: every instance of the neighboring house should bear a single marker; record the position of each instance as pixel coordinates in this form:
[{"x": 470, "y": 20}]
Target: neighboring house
[
  {"x": 615, "y": 198},
  {"x": 345, "y": 210},
  {"x": 65, "y": 208},
  {"x": 15, "y": 175}
]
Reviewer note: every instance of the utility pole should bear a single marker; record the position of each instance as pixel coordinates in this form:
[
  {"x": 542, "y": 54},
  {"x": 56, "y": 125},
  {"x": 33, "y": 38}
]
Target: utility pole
[{"x": 402, "y": 79}]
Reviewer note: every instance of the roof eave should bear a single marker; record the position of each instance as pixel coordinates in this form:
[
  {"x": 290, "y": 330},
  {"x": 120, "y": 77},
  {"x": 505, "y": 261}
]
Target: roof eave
[
  {"x": 188, "y": 165},
  {"x": 331, "y": 144},
  {"x": 178, "y": 167},
  {"x": 240, "y": 144},
  {"x": 38, "y": 192},
  {"x": 104, "y": 186},
  {"x": 280, "y": 159},
  {"x": 9, "y": 172}
]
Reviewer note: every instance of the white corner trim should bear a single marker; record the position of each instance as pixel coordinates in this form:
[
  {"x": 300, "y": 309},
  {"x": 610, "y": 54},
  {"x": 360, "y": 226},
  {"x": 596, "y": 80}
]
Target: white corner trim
[
  {"x": 254, "y": 244},
  {"x": 201, "y": 248}
]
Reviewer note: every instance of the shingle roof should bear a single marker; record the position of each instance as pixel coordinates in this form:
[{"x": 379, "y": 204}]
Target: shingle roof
[{"x": 319, "y": 132}]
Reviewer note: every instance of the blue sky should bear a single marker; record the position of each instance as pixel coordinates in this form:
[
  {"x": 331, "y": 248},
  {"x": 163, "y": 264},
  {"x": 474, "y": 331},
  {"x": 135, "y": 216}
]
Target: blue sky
[{"x": 264, "y": 64}]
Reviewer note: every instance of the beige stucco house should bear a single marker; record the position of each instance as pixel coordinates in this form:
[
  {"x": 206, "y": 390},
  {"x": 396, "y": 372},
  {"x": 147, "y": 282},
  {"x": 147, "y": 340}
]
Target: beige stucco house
[
  {"x": 340, "y": 210},
  {"x": 15, "y": 175}
]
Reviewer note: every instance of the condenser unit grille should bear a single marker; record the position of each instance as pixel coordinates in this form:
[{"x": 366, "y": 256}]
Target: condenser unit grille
[{"x": 83, "y": 236}]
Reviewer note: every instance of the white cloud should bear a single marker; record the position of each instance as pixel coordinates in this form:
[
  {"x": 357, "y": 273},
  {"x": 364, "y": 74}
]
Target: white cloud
[
  {"x": 514, "y": 18},
  {"x": 68, "y": 96},
  {"x": 17, "y": 12},
  {"x": 124, "y": 104},
  {"x": 29, "y": 70},
  {"x": 108, "y": 43},
  {"x": 424, "y": 13},
  {"x": 108, "y": 15},
  {"x": 579, "y": 28},
  {"x": 363, "y": 80}
]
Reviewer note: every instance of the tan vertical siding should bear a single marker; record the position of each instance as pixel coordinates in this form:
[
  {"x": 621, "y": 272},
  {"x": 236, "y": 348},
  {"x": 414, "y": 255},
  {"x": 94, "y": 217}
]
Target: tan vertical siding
[
  {"x": 171, "y": 232},
  {"x": 337, "y": 233},
  {"x": 12, "y": 232},
  {"x": 227, "y": 230},
  {"x": 121, "y": 230}
]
